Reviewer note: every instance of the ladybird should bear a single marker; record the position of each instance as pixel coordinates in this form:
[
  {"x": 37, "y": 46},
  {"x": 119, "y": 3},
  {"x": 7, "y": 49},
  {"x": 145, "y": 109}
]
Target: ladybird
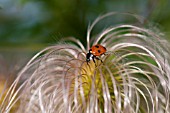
[{"x": 94, "y": 52}]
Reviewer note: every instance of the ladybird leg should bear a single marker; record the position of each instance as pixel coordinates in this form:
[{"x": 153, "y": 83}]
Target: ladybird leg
[
  {"x": 99, "y": 59},
  {"x": 94, "y": 59},
  {"x": 87, "y": 63}
]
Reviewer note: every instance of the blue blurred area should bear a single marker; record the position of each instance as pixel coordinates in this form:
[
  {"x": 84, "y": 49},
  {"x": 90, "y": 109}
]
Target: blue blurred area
[
  {"x": 21, "y": 23},
  {"x": 45, "y": 22}
]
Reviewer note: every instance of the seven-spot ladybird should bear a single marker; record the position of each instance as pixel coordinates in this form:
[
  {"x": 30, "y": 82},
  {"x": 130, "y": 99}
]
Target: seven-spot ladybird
[{"x": 94, "y": 52}]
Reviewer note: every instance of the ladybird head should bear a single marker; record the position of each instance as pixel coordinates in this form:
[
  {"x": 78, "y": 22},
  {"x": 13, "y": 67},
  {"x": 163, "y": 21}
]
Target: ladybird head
[{"x": 89, "y": 56}]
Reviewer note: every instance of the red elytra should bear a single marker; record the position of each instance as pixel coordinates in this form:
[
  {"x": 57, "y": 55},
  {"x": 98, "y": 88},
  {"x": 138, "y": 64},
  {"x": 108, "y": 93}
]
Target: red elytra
[{"x": 97, "y": 50}]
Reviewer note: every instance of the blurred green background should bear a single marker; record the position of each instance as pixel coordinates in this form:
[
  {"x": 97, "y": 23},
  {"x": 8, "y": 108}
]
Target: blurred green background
[{"x": 28, "y": 26}]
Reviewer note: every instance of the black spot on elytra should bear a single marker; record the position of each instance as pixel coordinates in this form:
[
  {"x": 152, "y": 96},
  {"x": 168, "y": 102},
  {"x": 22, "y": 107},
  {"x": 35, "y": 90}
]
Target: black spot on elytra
[
  {"x": 99, "y": 51},
  {"x": 97, "y": 46}
]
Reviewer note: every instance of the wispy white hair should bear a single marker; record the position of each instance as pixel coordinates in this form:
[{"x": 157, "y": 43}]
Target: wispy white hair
[{"x": 133, "y": 78}]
